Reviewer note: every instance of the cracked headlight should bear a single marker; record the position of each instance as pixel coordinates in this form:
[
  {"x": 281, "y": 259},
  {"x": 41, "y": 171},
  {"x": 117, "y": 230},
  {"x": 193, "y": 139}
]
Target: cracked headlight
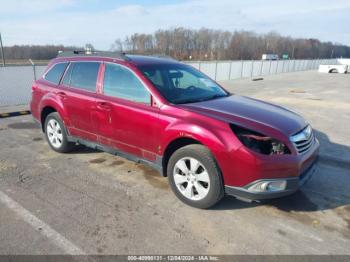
[{"x": 259, "y": 143}]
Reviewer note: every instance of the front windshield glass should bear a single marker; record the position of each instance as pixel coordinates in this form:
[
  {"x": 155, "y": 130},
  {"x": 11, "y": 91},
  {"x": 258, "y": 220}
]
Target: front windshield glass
[{"x": 181, "y": 84}]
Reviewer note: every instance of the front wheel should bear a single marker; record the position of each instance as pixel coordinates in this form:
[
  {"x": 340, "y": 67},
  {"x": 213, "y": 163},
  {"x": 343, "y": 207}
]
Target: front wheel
[
  {"x": 56, "y": 134},
  {"x": 195, "y": 177}
]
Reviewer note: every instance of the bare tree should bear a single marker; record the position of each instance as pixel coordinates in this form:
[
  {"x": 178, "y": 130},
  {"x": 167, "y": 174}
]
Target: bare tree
[
  {"x": 89, "y": 47},
  {"x": 205, "y": 44},
  {"x": 117, "y": 45},
  {"x": 202, "y": 44}
]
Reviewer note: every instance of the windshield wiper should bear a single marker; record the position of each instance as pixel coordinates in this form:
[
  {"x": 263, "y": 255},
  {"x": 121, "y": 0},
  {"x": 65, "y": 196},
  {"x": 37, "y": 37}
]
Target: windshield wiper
[{"x": 214, "y": 96}]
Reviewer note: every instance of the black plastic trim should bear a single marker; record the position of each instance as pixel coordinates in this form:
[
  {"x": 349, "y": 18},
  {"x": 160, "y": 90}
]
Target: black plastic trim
[{"x": 155, "y": 165}]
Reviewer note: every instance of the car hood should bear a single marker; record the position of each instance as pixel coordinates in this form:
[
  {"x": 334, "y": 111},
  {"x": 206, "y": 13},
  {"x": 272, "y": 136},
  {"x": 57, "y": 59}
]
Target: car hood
[{"x": 250, "y": 113}]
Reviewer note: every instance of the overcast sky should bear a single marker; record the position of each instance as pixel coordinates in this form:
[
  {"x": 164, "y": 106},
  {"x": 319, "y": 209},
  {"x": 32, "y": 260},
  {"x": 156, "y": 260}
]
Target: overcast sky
[{"x": 76, "y": 22}]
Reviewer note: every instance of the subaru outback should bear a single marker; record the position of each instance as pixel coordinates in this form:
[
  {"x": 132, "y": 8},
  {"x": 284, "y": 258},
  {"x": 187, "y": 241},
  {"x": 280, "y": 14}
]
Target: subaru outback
[{"x": 167, "y": 114}]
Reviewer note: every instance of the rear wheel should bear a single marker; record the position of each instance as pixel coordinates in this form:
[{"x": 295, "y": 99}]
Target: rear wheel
[
  {"x": 195, "y": 177},
  {"x": 56, "y": 134}
]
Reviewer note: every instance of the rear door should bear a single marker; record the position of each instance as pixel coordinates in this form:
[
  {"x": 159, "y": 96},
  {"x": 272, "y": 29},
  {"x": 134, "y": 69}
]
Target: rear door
[
  {"x": 126, "y": 118},
  {"x": 78, "y": 90}
]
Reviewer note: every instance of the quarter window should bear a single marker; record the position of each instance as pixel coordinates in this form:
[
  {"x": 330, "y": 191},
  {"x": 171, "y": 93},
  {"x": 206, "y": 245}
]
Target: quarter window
[
  {"x": 55, "y": 73},
  {"x": 122, "y": 83},
  {"x": 82, "y": 75},
  {"x": 67, "y": 76}
]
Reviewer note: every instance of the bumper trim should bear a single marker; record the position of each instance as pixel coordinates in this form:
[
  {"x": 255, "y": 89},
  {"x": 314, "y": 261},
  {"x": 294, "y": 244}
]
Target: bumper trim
[{"x": 293, "y": 185}]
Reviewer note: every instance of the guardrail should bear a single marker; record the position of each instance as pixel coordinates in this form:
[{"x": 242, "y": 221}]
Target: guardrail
[{"x": 16, "y": 81}]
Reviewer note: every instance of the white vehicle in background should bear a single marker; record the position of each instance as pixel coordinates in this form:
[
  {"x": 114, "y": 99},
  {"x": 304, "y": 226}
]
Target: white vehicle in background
[
  {"x": 341, "y": 69},
  {"x": 344, "y": 61},
  {"x": 269, "y": 57}
]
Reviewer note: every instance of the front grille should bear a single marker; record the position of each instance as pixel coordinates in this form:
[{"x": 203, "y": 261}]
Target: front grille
[{"x": 303, "y": 140}]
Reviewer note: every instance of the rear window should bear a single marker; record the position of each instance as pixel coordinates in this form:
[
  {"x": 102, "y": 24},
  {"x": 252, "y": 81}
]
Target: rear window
[
  {"x": 55, "y": 73},
  {"x": 82, "y": 75}
]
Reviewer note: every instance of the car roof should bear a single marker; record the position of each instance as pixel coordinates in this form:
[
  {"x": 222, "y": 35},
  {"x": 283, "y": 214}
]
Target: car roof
[
  {"x": 150, "y": 60},
  {"x": 114, "y": 57}
]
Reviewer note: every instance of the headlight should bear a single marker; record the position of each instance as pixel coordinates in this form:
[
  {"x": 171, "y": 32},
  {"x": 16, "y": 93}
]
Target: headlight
[{"x": 259, "y": 143}]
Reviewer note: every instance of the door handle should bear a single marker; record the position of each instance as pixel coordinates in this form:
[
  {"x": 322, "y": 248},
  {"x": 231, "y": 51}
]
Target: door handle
[{"x": 104, "y": 106}]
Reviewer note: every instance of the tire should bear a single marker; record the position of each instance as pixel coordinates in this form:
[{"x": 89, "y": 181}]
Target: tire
[
  {"x": 56, "y": 134},
  {"x": 194, "y": 187}
]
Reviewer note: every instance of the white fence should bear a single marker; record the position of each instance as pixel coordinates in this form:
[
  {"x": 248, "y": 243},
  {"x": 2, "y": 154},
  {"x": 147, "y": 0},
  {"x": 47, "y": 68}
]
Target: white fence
[
  {"x": 16, "y": 81},
  {"x": 227, "y": 70}
]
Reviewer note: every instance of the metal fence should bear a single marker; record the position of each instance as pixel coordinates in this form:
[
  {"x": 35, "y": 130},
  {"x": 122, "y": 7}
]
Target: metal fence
[
  {"x": 15, "y": 81},
  {"x": 227, "y": 70}
]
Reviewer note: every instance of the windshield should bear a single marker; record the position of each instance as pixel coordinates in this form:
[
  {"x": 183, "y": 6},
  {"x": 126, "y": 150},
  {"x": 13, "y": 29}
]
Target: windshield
[{"x": 181, "y": 84}]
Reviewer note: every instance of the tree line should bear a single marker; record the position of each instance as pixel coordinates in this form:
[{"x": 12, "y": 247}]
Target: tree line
[
  {"x": 208, "y": 44},
  {"x": 35, "y": 52},
  {"x": 202, "y": 44}
]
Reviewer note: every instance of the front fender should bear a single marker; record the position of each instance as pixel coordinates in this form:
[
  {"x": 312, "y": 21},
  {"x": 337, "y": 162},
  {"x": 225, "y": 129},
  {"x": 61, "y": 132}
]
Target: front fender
[
  {"x": 196, "y": 132},
  {"x": 218, "y": 139}
]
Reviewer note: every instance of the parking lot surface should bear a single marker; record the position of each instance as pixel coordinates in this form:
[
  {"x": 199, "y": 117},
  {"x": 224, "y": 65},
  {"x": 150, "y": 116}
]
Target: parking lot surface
[{"x": 90, "y": 202}]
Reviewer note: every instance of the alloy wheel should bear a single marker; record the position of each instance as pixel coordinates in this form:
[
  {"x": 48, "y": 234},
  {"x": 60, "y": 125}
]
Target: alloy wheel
[
  {"x": 54, "y": 133},
  {"x": 191, "y": 178}
]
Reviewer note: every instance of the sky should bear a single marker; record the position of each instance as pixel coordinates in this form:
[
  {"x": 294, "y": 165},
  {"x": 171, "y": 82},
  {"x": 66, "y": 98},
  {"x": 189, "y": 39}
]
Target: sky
[{"x": 100, "y": 22}]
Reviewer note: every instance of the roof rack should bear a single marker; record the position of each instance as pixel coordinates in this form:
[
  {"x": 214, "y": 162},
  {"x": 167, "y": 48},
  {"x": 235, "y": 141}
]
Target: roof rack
[{"x": 118, "y": 55}]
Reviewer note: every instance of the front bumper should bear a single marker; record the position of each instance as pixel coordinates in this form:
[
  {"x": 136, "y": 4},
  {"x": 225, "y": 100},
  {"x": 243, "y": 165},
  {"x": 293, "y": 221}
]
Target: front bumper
[{"x": 293, "y": 184}]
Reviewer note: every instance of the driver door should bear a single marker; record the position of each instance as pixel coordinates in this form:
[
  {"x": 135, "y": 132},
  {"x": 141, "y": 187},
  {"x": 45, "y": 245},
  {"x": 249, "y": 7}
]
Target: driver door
[{"x": 127, "y": 120}]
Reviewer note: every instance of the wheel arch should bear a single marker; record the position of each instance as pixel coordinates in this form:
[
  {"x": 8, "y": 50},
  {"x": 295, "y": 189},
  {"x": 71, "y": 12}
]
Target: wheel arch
[
  {"x": 50, "y": 104},
  {"x": 180, "y": 142},
  {"x": 181, "y": 134},
  {"x": 44, "y": 113},
  {"x": 174, "y": 145}
]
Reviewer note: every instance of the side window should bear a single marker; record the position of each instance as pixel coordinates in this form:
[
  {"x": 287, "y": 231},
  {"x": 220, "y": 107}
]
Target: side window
[
  {"x": 82, "y": 75},
  {"x": 55, "y": 73},
  {"x": 122, "y": 83}
]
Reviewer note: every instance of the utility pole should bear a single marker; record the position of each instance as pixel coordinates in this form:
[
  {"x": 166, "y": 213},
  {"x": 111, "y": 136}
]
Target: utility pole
[{"x": 2, "y": 52}]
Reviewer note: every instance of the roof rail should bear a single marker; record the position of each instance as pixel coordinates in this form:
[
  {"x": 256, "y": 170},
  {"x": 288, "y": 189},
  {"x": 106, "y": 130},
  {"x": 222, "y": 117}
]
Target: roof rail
[{"x": 118, "y": 55}]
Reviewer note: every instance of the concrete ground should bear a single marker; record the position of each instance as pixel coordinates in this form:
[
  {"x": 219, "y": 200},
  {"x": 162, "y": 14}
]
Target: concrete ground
[{"x": 89, "y": 202}]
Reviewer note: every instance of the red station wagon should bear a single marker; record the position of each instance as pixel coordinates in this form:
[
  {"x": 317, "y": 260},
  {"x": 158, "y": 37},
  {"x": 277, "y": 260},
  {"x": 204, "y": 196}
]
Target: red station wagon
[{"x": 166, "y": 114}]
